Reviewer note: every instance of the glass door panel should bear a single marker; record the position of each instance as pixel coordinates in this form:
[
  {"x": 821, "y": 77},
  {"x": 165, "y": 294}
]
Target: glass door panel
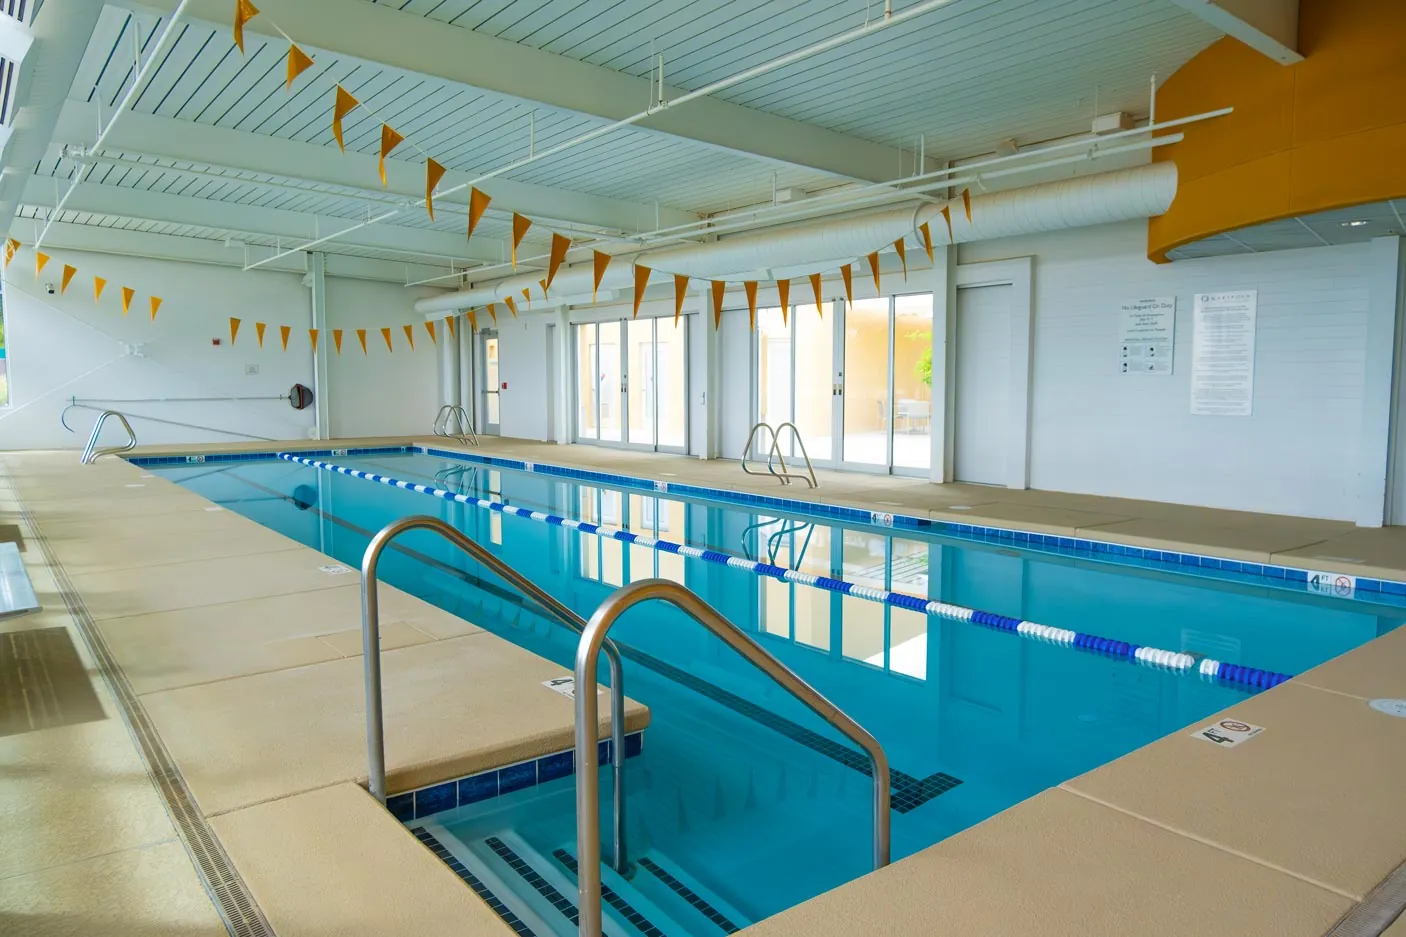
[
  {"x": 866, "y": 382},
  {"x": 773, "y": 372},
  {"x": 587, "y": 386},
  {"x": 610, "y": 377},
  {"x": 639, "y": 383},
  {"x": 815, "y": 381},
  {"x": 912, "y": 381},
  {"x": 671, "y": 382},
  {"x": 491, "y": 416}
]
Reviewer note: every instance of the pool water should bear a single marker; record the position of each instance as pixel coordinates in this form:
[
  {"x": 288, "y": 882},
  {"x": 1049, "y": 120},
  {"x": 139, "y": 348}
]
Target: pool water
[{"x": 743, "y": 803}]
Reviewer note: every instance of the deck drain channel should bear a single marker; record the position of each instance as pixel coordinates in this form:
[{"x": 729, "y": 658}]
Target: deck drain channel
[
  {"x": 1378, "y": 911},
  {"x": 227, "y": 890}
]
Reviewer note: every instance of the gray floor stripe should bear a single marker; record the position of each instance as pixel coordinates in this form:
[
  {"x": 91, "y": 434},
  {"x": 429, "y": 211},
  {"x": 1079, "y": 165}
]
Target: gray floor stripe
[{"x": 231, "y": 897}]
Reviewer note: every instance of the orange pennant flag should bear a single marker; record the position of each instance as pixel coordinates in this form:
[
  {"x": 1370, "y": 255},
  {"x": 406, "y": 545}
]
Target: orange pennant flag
[
  {"x": 874, "y": 269},
  {"x": 512, "y": 306},
  {"x": 337, "y": 340},
  {"x": 719, "y": 287},
  {"x": 559, "y": 248},
  {"x": 11, "y": 245},
  {"x": 947, "y": 217},
  {"x": 927, "y": 239},
  {"x": 600, "y": 262},
  {"x": 815, "y": 287},
  {"x": 259, "y": 328},
  {"x": 361, "y": 337},
  {"x": 641, "y": 284},
  {"x": 751, "y": 287},
  {"x": 344, "y": 106},
  {"x": 298, "y": 62},
  {"x": 283, "y": 332},
  {"x": 429, "y": 327},
  {"x": 410, "y": 335},
  {"x": 386, "y": 336},
  {"x": 527, "y": 295},
  {"x": 233, "y": 328},
  {"x": 520, "y": 226},
  {"x": 127, "y": 294},
  {"x": 473, "y": 320},
  {"x": 967, "y": 203},
  {"x": 312, "y": 337},
  {"x": 68, "y": 271},
  {"x": 244, "y": 11},
  {"x": 493, "y": 311},
  {"x": 449, "y": 324},
  {"x": 680, "y": 291},
  {"x": 389, "y": 141},
  {"x": 848, "y": 276},
  {"x": 543, "y": 283},
  {"x": 478, "y": 204},
  {"x": 433, "y": 173},
  {"x": 783, "y": 293},
  {"x": 40, "y": 259},
  {"x": 98, "y": 284},
  {"x": 903, "y": 256},
  {"x": 155, "y": 305}
]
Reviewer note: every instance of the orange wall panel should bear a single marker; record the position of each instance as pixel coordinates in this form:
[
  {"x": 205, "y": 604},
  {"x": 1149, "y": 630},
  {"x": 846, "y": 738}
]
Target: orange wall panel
[{"x": 1325, "y": 133}]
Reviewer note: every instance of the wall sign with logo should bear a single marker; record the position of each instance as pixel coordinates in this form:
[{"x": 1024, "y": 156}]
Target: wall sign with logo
[
  {"x": 1223, "y": 353},
  {"x": 1147, "y": 331}
]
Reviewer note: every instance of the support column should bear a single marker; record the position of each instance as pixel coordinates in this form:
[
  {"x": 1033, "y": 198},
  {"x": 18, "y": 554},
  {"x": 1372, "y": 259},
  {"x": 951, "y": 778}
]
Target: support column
[
  {"x": 944, "y": 371},
  {"x": 316, "y": 281},
  {"x": 468, "y": 371},
  {"x": 449, "y": 390},
  {"x": 1379, "y": 467}
]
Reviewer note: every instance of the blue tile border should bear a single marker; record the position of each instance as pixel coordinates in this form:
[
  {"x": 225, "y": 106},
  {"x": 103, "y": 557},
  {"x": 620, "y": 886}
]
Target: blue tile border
[
  {"x": 170, "y": 460},
  {"x": 422, "y": 802}
]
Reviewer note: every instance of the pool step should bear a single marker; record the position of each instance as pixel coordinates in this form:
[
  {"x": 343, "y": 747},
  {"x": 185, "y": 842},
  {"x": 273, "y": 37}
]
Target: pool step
[{"x": 535, "y": 894}]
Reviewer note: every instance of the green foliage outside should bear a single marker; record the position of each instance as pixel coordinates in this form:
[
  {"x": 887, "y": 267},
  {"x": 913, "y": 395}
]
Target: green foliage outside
[{"x": 923, "y": 366}]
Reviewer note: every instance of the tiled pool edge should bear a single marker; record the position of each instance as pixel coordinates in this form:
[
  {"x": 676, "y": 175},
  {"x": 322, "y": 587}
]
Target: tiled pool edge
[
  {"x": 422, "y": 802},
  {"x": 1054, "y": 544}
]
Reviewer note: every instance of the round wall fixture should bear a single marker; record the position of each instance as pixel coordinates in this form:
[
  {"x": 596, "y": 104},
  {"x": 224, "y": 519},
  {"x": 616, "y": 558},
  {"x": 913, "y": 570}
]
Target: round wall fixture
[
  {"x": 1392, "y": 707},
  {"x": 300, "y": 396}
]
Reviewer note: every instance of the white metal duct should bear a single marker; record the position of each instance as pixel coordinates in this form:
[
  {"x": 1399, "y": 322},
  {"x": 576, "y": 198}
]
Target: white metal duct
[{"x": 1126, "y": 194}]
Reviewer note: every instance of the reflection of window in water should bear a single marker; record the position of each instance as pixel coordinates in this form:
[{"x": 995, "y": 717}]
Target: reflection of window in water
[
  {"x": 4, "y": 361},
  {"x": 495, "y": 518}
]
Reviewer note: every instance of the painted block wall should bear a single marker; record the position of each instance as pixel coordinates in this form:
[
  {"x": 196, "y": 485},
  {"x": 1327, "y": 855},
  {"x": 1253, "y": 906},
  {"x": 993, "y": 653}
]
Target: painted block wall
[{"x": 1097, "y": 431}]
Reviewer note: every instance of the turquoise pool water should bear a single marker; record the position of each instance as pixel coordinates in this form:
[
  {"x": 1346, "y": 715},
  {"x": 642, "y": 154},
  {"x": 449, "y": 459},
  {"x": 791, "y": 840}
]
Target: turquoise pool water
[{"x": 739, "y": 798}]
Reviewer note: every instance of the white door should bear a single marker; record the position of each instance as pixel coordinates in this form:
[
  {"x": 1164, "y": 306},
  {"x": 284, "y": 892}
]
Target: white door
[{"x": 982, "y": 395}]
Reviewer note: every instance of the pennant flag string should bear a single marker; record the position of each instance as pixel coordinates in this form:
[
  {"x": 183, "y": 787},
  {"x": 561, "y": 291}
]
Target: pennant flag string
[
  {"x": 783, "y": 294},
  {"x": 386, "y": 337},
  {"x": 337, "y": 340},
  {"x": 719, "y": 287},
  {"x": 389, "y": 141},
  {"x": 750, "y": 286},
  {"x": 283, "y": 332},
  {"x": 127, "y": 294},
  {"x": 429, "y": 327},
  {"x": 559, "y": 247},
  {"x": 449, "y": 323},
  {"x": 233, "y": 329},
  {"x": 600, "y": 261},
  {"x": 947, "y": 217},
  {"x": 155, "y": 305},
  {"x": 11, "y": 245},
  {"x": 478, "y": 204},
  {"x": 40, "y": 259},
  {"x": 967, "y": 203},
  {"x": 244, "y": 11},
  {"x": 493, "y": 311},
  {"x": 98, "y": 284},
  {"x": 902, "y": 256},
  {"x": 641, "y": 284},
  {"x": 680, "y": 291},
  {"x": 433, "y": 173},
  {"x": 259, "y": 328},
  {"x": 873, "y": 259},
  {"x": 927, "y": 239},
  {"x": 815, "y": 288},
  {"x": 298, "y": 62},
  {"x": 527, "y": 295},
  {"x": 68, "y": 273},
  {"x": 361, "y": 337},
  {"x": 512, "y": 307},
  {"x": 410, "y": 335},
  {"x": 473, "y": 320},
  {"x": 312, "y": 337},
  {"x": 520, "y": 226},
  {"x": 344, "y": 106},
  {"x": 848, "y": 274}
]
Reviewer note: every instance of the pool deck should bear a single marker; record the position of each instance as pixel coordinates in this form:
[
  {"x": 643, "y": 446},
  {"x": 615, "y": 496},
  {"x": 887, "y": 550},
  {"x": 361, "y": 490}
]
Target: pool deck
[{"x": 1280, "y": 835}]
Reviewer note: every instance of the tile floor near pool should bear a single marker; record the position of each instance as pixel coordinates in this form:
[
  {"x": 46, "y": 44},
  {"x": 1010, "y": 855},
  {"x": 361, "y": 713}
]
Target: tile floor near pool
[{"x": 230, "y": 652}]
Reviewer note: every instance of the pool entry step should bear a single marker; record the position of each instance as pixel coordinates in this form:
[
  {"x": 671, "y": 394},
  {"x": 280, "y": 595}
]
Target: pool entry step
[{"x": 534, "y": 891}]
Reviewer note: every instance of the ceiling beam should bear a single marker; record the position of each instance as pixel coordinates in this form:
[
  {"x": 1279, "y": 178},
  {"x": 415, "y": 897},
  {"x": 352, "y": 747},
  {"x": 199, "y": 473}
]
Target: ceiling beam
[
  {"x": 292, "y": 226},
  {"x": 99, "y": 240},
  {"x": 1270, "y": 27},
  {"x": 377, "y": 33},
  {"x": 290, "y": 159}
]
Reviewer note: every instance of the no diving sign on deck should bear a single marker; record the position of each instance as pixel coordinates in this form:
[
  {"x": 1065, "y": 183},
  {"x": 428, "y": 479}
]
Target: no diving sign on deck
[{"x": 1228, "y": 733}]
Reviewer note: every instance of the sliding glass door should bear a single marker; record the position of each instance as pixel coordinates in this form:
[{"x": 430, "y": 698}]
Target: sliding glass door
[
  {"x": 857, "y": 382},
  {"x": 631, "y": 383}
]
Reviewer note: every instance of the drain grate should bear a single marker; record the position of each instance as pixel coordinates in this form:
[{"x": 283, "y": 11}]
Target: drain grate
[
  {"x": 1378, "y": 911},
  {"x": 231, "y": 896}
]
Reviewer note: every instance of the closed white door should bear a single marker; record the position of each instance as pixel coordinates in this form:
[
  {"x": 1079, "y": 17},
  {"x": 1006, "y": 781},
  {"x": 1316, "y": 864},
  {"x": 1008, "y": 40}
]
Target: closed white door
[{"x": 982, "y": 395}]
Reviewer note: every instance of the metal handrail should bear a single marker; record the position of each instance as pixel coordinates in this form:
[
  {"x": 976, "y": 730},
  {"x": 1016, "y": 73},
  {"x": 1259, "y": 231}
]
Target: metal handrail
[
  {"x": 774, "y": 453},
  {"x": 468, "y": 433},
  {"x": 91, "y": 452},
  {"x": 371, "y": 651},
  {"x": 588, "y": 715}
]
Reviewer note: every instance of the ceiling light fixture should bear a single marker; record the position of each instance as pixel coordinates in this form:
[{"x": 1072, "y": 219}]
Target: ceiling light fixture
[{"x": 1354, "y": 224}]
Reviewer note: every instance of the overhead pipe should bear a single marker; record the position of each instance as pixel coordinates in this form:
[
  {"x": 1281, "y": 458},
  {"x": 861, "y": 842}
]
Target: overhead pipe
[{"x": 1122, "y": 195}]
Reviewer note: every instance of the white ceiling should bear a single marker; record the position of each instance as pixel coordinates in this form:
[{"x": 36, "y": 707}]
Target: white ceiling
[
  {"x": 202, "y": 153},
  {"x": 1355, "y": 225}
]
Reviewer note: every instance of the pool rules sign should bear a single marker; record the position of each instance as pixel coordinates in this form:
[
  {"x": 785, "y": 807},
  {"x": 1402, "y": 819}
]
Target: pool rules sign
[
  {"x": 1146, "y": 333},
  {"x": 1223, "y": 353}
]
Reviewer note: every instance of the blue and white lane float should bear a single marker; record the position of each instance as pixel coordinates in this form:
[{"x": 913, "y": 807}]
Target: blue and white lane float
[{"x": 1176, "y": 661}]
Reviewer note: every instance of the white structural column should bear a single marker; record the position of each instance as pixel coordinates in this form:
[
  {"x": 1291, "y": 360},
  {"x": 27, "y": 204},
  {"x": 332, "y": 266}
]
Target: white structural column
[
  {"x": 944, "y": 335},
  {"x": 449, "y": 389},
  {"x": 1270, "y": 27},
  {"x": 316, "y": 281},
  {"x": 1379, "y": 448},
  {"x": 708, "y": 388},
  {"x": 468, "y": 371}
]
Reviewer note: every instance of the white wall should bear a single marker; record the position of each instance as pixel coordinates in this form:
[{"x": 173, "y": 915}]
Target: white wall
[
  {"x": 380, "y": 393},
  {"x": 1097, "y": 431},
  {"x": 65, "y": 346}
]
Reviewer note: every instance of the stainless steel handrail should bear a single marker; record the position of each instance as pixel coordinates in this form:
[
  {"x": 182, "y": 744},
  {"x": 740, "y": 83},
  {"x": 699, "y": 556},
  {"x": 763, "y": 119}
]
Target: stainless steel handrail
[
  {"x": 371, "y": 651},
  {"x": 774, "y": 452},
  {"x": 468, "y": 433},
  {"x": 588, "y": 716},
  {"x": 91, "y": 452}
]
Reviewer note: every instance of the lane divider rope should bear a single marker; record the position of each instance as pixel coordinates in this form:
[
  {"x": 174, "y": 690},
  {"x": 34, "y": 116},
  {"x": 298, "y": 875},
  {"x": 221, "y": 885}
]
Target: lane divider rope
[{"x": 1175, "y": 661}]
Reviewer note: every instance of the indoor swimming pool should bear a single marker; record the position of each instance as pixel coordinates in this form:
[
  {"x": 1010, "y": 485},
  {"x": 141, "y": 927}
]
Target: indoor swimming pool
[{"x": 741, "y": 802}]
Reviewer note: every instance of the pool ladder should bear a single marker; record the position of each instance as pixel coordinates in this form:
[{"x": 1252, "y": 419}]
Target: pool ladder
[
  {"x": 91, "y": 452},
  {"x": 588, "y": 877},
  {"x": 371, "y": 654},
  {"x": 467, "y": 434},
  {"x": 774, "y": 457}
]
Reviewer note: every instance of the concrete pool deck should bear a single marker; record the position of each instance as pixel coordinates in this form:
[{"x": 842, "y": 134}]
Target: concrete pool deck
[{"x": 1281, "y": 835}]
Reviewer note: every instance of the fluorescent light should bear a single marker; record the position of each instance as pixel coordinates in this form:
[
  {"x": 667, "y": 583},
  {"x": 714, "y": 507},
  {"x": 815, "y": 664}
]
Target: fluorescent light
[{"x": 1354, "y": 224}]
